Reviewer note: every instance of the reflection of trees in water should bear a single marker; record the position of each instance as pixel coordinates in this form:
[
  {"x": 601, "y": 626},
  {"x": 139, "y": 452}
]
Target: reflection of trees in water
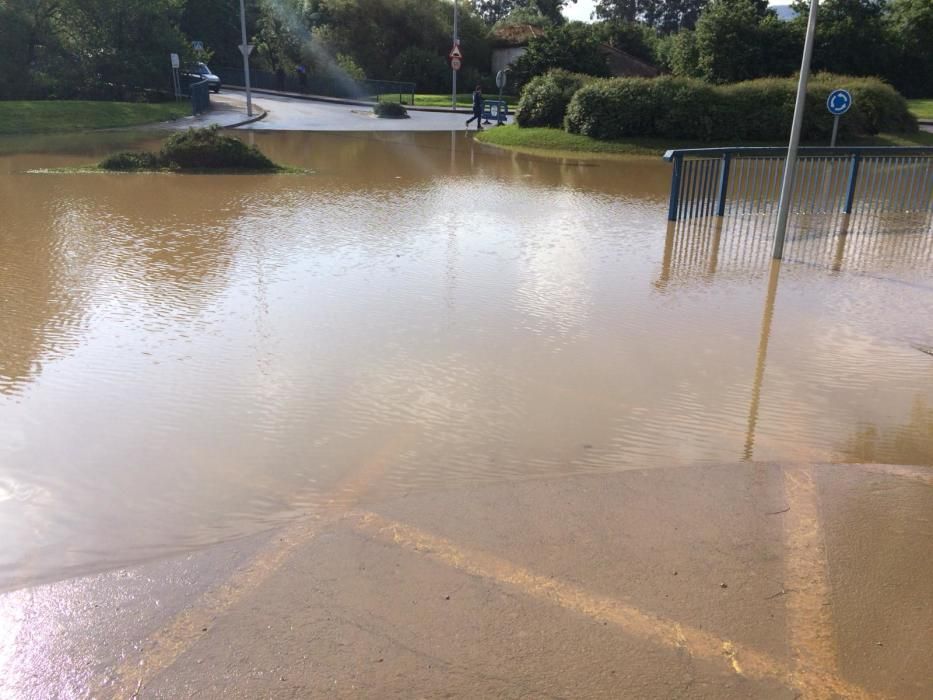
[
  {"x": 376, "y": 159},
  {"x": 161, "y": 243},
  {"x": 910, "y": 443},
  {"x": 39, "y": 311}
]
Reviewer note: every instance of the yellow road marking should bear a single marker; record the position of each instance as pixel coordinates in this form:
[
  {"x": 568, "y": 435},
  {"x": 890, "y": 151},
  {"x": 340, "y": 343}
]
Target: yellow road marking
[
  {"x": 728, "y": 655},
  {"x": 809, "y": 615},
  {"x": 162, "y": 648}
]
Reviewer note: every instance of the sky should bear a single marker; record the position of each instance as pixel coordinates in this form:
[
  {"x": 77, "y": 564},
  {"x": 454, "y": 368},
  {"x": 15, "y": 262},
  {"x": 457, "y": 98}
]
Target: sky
[{"x": 580, "y": 10}]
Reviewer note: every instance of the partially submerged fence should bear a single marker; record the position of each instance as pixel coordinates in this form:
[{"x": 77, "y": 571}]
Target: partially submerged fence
[
  {"x": 724, "y": 181},
  {"x": 374, "y": 90}
]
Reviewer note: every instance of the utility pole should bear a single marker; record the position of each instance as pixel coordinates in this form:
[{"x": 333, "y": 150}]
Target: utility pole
[
  {"x": 453, "y": 96},
  {"x": 790, "y": 165},
  {"x": 245, "y": 49}
]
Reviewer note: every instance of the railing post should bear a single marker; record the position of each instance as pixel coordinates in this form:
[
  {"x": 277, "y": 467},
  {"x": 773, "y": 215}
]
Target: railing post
[
  {"x": 723, "y": 184},
  {"x": 853, "y": 178},
  {"x": 675, "y": 188}
]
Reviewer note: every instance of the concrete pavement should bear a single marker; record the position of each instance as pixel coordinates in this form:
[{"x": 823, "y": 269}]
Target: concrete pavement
[{"x": 730, "y": 581}]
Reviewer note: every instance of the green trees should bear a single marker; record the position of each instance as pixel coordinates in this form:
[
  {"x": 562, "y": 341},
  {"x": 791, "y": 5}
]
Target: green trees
[
  {"x": 574, "y": 47},
  {"x": 911, "y": 22},
  {"x": 742, "y": 39},
  {"x": 666, "y": 16}
]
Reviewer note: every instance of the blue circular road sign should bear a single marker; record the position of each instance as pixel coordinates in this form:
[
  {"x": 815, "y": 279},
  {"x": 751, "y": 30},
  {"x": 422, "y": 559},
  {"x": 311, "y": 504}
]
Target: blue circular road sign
[{"x": 838, "y": 102}]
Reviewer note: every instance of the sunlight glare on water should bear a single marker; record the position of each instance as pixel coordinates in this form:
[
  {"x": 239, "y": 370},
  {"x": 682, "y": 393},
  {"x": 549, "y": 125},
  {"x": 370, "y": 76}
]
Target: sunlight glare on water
[{"x": 185, "y": 359}]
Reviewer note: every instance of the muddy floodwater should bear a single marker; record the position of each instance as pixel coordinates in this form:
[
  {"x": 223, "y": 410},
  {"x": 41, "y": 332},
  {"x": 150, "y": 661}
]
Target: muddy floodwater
[{"x": 189, "y": 359}]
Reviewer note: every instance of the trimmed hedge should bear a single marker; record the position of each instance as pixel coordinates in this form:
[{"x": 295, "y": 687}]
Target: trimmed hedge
[
  {"x": 545, "y": 98},
  {"x": 390, "y": 110},
  {"x": 194, "y": 149},
  {"x": 128, "y": 161},
  {"x": 755, "y": 110},
  {"x": 208, "y": 149}
]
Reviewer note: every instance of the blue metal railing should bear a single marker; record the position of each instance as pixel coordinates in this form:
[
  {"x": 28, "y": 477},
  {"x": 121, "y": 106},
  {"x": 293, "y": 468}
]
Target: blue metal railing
[
  {"x": 721, "y": 181},
  {"x": 200, "y": 93}
]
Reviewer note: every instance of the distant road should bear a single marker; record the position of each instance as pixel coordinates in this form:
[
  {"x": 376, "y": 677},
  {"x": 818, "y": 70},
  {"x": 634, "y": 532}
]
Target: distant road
[{"x": 293, "y": 114}]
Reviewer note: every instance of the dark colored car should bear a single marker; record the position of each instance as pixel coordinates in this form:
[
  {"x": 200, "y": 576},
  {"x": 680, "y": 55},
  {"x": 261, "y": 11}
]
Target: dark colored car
[{"x": 200, "y": 71}]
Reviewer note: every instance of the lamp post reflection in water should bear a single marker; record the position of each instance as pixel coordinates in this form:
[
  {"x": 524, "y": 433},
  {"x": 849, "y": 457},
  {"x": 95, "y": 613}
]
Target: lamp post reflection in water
[{"x": 761, "y": 360}]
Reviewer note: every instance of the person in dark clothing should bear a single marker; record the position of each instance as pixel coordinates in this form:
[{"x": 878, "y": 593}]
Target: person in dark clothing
[{"x": 477, "y": 108}]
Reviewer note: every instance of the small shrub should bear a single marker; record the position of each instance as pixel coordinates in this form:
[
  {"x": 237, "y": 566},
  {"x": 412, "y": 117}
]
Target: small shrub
[
  {"x": 390, "y": 110},
  {"x": 545, "y": 98},
  {"x": 197, "y": 149},
  {"x": 754, "y": 110},
  {"x": 128, "y": 161}
]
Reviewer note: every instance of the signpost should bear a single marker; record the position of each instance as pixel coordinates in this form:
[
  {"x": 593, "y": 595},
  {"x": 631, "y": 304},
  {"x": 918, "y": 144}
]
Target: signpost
[
  {"x": 501, "y": 80},
  {"x": 837, "y": 103},
  {"x": 456, "y": 61},
  {"x": 455, "y": 53},
  {"x": 176, "y": 80},
  {"x": 246, "y": 49}
]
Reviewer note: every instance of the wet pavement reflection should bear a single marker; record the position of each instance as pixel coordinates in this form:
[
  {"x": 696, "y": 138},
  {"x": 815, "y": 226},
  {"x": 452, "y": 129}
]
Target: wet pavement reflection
[{"x": 188, "y": 359}]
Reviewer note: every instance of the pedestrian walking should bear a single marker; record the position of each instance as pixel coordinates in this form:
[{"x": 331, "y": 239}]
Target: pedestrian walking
[{"x": 477, "y": 108}]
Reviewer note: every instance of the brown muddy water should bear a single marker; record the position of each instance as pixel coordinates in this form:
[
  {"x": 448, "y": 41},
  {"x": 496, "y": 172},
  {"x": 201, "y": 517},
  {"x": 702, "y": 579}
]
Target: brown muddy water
[{"x": 187, "y": 359}]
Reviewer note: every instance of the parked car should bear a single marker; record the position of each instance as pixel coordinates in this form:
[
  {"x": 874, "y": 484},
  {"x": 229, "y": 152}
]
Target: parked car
[{"x": 200, "y": 71}]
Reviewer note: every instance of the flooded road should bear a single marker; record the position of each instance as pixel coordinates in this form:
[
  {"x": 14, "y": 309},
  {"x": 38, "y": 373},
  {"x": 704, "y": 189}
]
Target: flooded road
[{"x": 189, "y": 359}]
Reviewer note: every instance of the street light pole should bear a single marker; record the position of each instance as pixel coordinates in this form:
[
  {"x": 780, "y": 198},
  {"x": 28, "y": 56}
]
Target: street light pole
[
  {"x": 244, "y": 49},
  {"x": 453, "y": 96},
  {"x": 790, "y": 165}
]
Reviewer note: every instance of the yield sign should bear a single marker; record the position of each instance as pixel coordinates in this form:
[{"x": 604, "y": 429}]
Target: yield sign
[{"x": 455, "y": 52}]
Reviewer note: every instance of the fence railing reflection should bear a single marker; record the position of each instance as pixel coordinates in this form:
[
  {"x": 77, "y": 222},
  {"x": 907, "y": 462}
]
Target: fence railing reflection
[{"x": 740, "y": 244}]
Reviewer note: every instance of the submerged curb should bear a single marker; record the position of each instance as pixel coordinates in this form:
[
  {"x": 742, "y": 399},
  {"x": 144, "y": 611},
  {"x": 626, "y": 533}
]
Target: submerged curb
[{"x": 251, "y": 120}]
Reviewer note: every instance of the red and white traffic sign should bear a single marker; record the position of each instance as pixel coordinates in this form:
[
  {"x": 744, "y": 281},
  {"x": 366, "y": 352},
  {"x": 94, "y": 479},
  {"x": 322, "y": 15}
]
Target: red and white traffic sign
[
  {"x": 455, "y": 63},
  {"x": 455, "y": 52}
]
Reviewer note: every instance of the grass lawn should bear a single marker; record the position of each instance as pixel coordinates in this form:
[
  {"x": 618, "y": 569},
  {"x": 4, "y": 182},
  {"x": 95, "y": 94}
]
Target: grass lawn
[
  {"x": 44, "y": 116},
  {"x": 558, "y": 142},
  {"x": 464, "y": 99},
  {"x": 922, "y": 109}
]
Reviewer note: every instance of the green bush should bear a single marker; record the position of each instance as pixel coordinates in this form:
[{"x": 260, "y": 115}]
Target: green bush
[
  {"x": 390, "y": 110},
  {"x": 754, "y": 110},
  {"x": 207, "y": 149},
  {"x": 545, "y": 98},
  {"x": 128, "y": 161}
]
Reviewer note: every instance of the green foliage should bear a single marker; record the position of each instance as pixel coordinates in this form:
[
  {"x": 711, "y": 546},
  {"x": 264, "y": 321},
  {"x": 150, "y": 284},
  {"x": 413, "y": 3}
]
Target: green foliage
[
  {"x": 545, "y": 98},
  {"x": 209, "y": 149},
  {"x": 665, "y": 16},
  {"x": 524, "y": 14},
  {"x": 428, "y": 70},
  {"x": 376, "y": 32},
  {"x": 911, "y": 24},
  {"x": 128, "y": 161},
  {"x": 739, "y": 40},
  {"x": 390, "y": 110},
  {"x": 678, "y": 53},
  {"x": 758, "y": 110},
  {"x": 632, "y": 37},
  {"x": 852, "y": 37},
  {"x": 574, "y": 47}
]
